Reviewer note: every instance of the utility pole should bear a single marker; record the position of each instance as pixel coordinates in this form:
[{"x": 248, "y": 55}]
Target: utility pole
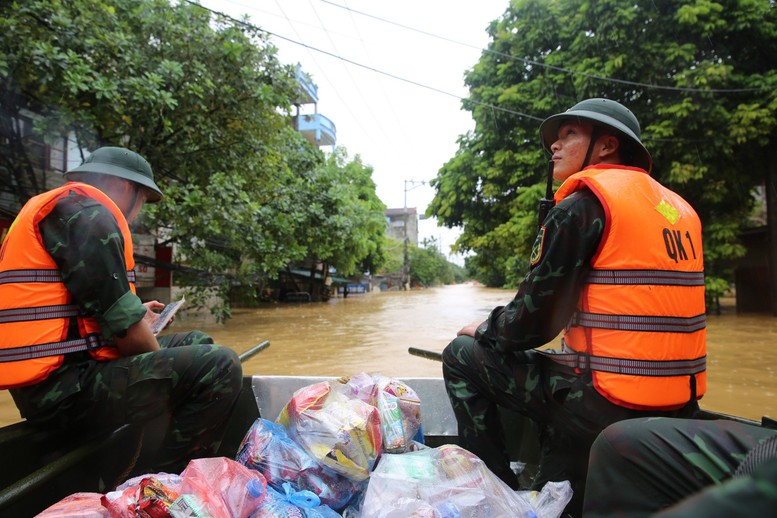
[{"x": 406, "y": 264}]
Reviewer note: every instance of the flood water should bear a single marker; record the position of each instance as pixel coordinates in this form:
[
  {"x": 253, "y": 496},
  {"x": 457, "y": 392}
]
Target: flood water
[{"x": 372, "y": 333}]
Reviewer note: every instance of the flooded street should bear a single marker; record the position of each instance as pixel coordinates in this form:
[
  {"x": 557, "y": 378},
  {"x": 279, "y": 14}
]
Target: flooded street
[{"x": 372, "y": 332}]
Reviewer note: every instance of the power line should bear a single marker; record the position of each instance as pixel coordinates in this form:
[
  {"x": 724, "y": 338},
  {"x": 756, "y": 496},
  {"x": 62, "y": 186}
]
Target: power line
[
  {"x": 372, "y": 69},
  {"x": 348, "y": 72},
  {"x": 390, "y": 105},
  {"x": 552, "y": 67}
]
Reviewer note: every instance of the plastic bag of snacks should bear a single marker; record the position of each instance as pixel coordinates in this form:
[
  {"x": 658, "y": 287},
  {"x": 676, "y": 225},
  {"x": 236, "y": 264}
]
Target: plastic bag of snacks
[
  {"x": 398, "y": 406},
  {"x": 268, "y": 449},
  {"x": 228, "y": 488},
  {"x": 149, "y": 497},
  {"x": 447, "y": 482},
  {"x": 339, "y": 431},
  {"x": 289, "y": 503}
]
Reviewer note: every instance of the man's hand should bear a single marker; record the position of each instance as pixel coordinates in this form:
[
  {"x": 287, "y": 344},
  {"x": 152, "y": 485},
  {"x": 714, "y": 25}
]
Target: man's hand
[
  {"x": 469, "y": 329},
  {"x": 151, "y": 314}
]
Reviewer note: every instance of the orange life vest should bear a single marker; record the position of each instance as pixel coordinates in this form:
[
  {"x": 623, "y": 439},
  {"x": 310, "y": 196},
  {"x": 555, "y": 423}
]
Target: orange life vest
[
  {"x": 640, "y": 324},
  {"x": 35, "y": 305}
]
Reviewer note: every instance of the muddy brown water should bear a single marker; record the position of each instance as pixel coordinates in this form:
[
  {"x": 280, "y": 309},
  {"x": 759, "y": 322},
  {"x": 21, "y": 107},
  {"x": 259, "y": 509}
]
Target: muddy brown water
[{"x": 372, "y": 333}]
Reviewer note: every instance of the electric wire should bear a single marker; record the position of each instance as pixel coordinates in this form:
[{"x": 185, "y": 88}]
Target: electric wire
[
  {"x": 390, "y": 105},
  {"x": 527, "y": 61},
  {"x": 350, "y": 76},
  {"x": 408, "y": 143},
  {"x": 372, "y": 69}
]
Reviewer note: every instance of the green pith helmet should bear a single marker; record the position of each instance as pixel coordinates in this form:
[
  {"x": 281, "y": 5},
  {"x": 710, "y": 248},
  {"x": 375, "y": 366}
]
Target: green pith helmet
[
  {"x": 603, "y": 112},
  {"x": 122, "y": 163}
]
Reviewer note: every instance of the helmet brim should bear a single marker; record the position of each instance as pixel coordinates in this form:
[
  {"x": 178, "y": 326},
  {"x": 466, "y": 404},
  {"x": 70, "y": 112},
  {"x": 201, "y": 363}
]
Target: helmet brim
[
  {"x": 153, "y": 192},
  {"x": 549, "y": 133}
]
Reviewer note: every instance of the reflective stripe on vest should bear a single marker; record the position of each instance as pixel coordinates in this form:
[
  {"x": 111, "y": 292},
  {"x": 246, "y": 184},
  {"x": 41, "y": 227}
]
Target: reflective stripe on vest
[
  {"x": 39, "y": 313},
  {"x": 657, "y": 277},
  {"x": 584, "y": 362},
  {"x": 640, "y": 323},
  {"x": 89, "y": 343},
  {"x": 41, "y": 276}
]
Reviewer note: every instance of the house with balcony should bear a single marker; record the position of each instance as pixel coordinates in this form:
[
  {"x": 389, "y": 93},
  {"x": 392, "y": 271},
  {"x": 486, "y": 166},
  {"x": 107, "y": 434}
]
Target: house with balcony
[{"x": 315, "y": 127}]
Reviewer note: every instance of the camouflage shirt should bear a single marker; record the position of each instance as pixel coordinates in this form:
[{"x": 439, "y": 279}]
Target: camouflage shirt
[
  {"x": 84, "y": 239},
  {"x": 547, "y": 296}
]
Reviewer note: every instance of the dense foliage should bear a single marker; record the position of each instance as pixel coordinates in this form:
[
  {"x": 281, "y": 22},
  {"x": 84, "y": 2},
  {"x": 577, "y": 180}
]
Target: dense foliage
[
  {"x": 699, "y": 74},
  {"x": 207, "y": 102},
  {"x": 426, "y": 265}
]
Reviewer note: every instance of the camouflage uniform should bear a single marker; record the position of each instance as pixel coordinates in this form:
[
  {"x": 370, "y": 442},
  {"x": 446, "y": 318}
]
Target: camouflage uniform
[
  {"x": 498, "y": 367},
  {"x": 657, "y": 464},
  {"x": 184, "y": 392}
]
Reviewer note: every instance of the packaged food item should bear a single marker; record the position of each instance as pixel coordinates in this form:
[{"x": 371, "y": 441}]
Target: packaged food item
[
  {"x": 147, "y": 496},
  {"x": 155, "y": 499},
  {"x": 268, "y": 449},
  {"x": 340, "y": 432},
  {"x": 170, "y": 480}
]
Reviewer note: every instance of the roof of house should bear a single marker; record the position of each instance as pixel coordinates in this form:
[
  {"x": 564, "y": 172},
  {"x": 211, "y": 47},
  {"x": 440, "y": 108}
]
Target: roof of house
[{"x": 400, "y": 211}]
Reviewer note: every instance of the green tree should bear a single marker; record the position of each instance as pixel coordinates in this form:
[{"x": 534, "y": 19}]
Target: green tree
[
  {"x": 428, "y": 267},
  {"x": 395, "y": 260},
  {"x": 699, "y": 75},
  {"x": 343, "y": 222}
]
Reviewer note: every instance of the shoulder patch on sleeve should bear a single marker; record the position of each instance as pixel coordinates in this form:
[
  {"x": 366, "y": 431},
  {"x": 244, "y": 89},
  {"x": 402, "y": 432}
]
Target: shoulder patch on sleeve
[{"x": 536, "y": 251}]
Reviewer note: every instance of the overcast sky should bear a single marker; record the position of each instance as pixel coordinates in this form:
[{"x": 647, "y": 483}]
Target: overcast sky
[{"x": 390, "y": 76}]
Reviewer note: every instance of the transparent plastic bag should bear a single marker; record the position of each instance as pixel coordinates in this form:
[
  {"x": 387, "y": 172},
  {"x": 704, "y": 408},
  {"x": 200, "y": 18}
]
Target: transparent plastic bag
[
  {"x": 550, "y": 501},
  {"x": 398, "y": 406},
  {"x": 228, "y": 489},
  {"x": 268, "y": 449},
  {"x": 339, "y": 431},
  {"x": 447, "y": 482}
]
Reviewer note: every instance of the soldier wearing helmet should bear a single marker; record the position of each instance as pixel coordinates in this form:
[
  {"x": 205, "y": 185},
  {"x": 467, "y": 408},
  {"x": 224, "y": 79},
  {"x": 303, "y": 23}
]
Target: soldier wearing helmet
[
  {"x": 617, "y": 266},
  {"x": 77, "y": 350}
]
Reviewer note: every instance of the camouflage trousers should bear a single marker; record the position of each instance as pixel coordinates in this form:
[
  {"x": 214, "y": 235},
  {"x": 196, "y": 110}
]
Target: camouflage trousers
[
  {"x": 181, "y": 396},
  {"x": 565, "y": 407},
  {"x": 641, "y": 466}
]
